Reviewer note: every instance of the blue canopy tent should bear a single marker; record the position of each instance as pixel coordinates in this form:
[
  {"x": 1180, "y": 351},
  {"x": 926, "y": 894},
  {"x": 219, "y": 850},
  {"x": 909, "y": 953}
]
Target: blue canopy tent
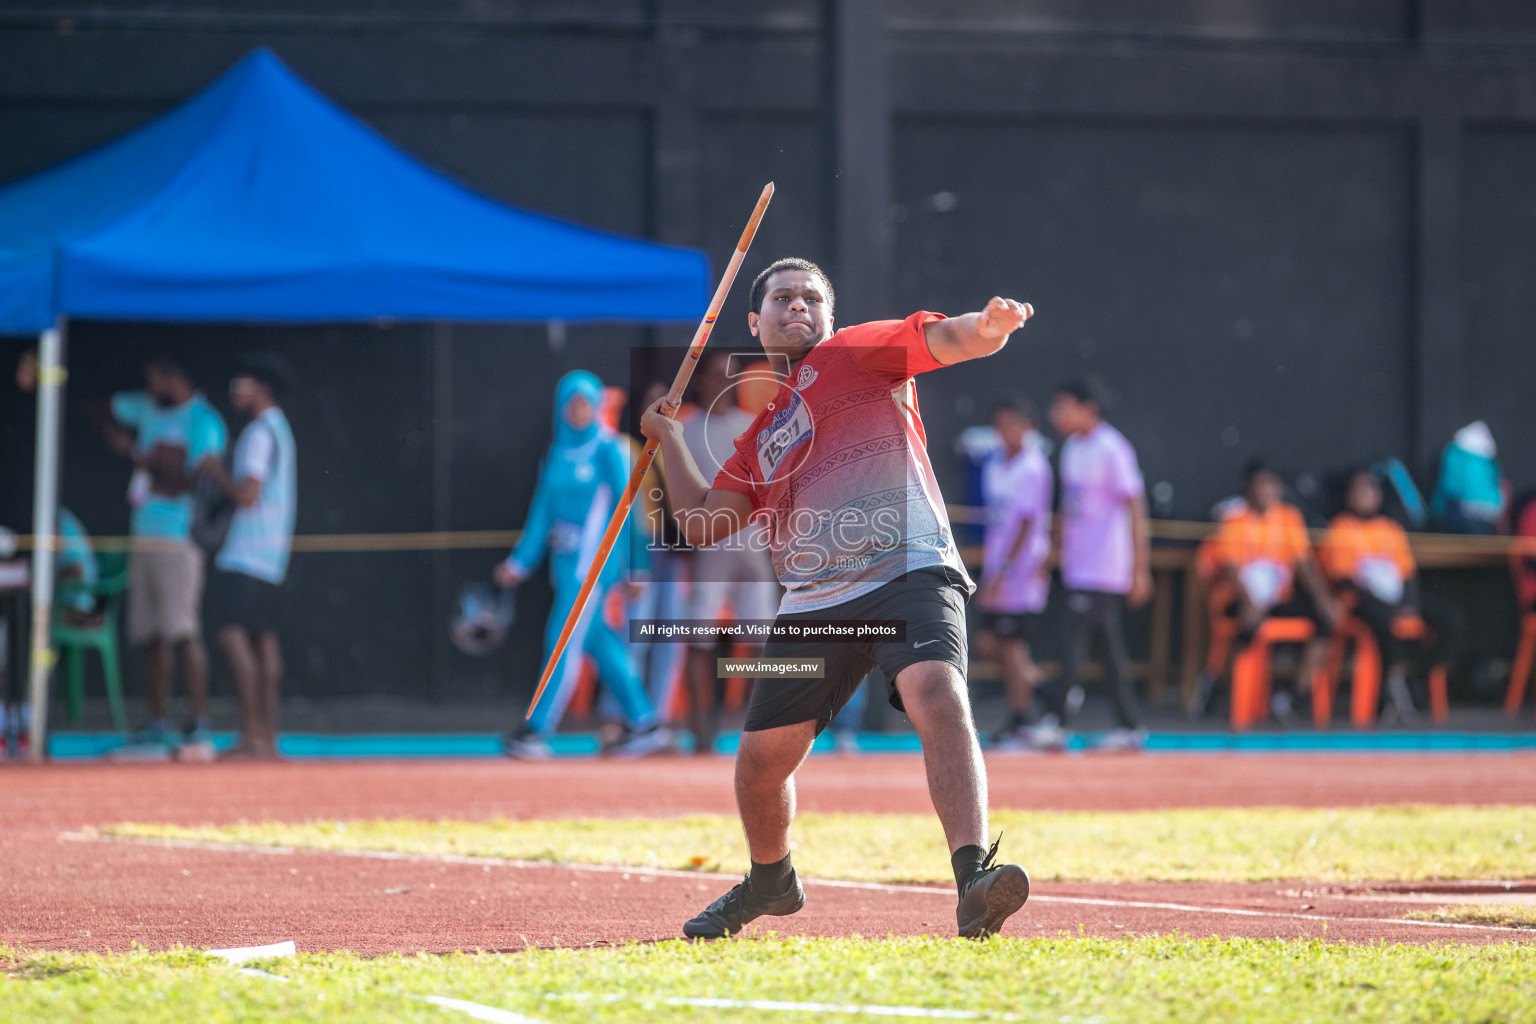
[{"x": 259, "y": 200}]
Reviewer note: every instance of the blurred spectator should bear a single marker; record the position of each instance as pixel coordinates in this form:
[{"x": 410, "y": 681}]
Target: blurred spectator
[
  {"x": 167, "y": 430},
  {"x": 1471, "y": 494},
  {"x": 738, "y": 572},
  {"x": 665, "y": 595},
  {"x": 1367, "y": 557},
  {"x": 1016, "y": 488},
  {"x": 583, "y": 474},
  {"x": 1261, "y": 549},
  {"x": 1104, "y": 545},
  {"x": 75, "y": 564},
  {"x": 253, "y": 562},
  {"x": 1525, "y": 559}
]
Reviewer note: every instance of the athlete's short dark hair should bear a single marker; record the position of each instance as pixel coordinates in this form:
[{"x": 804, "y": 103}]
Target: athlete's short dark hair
[
  {"x": 1362, "y": 469},
  {"x": 169, "y": 360},
  {"x": 760, "y": 282},
  {"x": 268, "y": 368},
  {"x": 1018, "y": 406},
  {"x": 1255, "y": 465},
  {"x": 1083, "y": 389}
]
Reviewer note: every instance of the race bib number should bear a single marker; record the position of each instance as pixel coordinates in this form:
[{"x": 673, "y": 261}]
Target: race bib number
[
  {"x": 1380, "y": 576},
  {"x": 789, "y": 430},
  {"x": 1263, "y": 580}
]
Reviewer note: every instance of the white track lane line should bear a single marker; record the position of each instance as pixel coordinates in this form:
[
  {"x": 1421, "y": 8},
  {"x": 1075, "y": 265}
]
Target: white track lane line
[
  {"x": 241, "y": 954},
  {"x": 479, "y": 1011},
  {"x": 613, "y": 869},
  {"x": 871, "y": 1010}
]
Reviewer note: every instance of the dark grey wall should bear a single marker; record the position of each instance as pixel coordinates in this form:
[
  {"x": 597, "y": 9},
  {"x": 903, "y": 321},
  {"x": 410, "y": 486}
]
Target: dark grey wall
[
  {"x": 1500, "y": 288},
  {"x": 1299, "y": 226},
  {"x": 1237, "y": 288}
]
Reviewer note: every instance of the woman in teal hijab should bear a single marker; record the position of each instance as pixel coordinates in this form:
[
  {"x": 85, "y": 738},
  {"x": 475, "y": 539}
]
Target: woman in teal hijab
[{"x": 581, "y": 479}]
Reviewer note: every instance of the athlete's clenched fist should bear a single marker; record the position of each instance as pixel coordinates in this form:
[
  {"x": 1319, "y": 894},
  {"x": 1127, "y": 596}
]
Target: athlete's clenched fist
[{"x": 1002, "y": 317}]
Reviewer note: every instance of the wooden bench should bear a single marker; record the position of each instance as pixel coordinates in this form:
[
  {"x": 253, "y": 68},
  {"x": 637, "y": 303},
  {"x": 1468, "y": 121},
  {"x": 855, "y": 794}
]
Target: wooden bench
[{"x": 1176, "y": 580}]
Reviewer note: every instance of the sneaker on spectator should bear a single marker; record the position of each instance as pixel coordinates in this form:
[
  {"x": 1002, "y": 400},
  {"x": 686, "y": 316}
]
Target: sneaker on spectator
[
  {"x": 1013, "y": 741},
  {"x": 523, "y": 744},
  {"x": 1122, "y": 740},
  {"x": 195, "y": 744},
  {"x": 197, "y": 748},
  {"x": 1048, "y": 735},
  {"x": 151, "y": 742},
  {"x": 154, "y": 734},
  {"x": 645, "y": 742},
  {"x": 1281, "y": 706},
  {"x": 139, "y": 752}
]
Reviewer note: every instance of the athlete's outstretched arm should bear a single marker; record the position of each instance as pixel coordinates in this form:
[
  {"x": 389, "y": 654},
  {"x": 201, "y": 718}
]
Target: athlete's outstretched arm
[
  {"x": 704, "y": 515},
  {"x": 958, "y": 338}
]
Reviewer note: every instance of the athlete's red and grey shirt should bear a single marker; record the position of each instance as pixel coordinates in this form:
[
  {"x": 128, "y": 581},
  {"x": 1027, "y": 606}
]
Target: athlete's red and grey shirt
[{"x": 837, "y": 466}]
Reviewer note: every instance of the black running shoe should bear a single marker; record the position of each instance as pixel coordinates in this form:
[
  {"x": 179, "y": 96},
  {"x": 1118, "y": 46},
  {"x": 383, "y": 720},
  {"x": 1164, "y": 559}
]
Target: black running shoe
[
  {"x": 994, "y": 894},
  {"x": 726, "y": 915}
]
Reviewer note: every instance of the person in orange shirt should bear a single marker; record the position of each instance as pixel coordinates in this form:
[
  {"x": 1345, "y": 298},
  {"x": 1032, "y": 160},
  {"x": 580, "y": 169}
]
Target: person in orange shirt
[
  {"x": 1261, "y": 551},
  {"x": 1367, "y": 557}
]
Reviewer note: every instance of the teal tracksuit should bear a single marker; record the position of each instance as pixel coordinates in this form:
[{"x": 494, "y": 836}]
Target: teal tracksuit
[{"x": 580, "y": 481}]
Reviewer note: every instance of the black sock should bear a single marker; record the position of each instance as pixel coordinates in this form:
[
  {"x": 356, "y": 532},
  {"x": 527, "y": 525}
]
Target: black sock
[
  {"x": 771, "y": 879},
  {"x": 966, "y": 861}
]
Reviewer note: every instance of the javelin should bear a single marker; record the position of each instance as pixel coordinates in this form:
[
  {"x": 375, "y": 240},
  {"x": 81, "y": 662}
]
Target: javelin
[{"x": 674, "y": 399}]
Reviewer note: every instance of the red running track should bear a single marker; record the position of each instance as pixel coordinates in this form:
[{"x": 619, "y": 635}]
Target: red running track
[{"x": 58, "y": 892}]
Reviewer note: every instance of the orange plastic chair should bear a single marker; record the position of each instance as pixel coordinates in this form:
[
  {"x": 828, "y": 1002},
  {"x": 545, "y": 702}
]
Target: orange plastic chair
[
  {"x": 1251, "y": 672},
  {"x": 1218, "y": 599},
  {"x": 1366, "y": 677},
  {"x": 1251, "y": 682}
]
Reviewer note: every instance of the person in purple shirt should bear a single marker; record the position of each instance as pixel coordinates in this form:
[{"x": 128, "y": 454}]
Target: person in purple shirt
[
  {"x": 1016, "y": 486},
  {"x": 1104, "y": 546}
]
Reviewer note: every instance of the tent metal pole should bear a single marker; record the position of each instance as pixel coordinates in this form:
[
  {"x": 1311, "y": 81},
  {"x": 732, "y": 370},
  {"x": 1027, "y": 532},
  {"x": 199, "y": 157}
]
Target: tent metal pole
[{"x": 45, "y": 514}]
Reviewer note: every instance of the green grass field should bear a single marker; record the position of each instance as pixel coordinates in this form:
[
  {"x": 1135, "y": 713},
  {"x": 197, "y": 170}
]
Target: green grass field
[
  {"x": 1056, "y": 980},
  {"x": 1223, "y": 844}
]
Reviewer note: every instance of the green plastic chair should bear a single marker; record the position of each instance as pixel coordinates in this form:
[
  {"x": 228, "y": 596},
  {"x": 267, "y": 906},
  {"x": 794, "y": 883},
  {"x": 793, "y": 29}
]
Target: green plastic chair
[{"x": 112, "y": 581}]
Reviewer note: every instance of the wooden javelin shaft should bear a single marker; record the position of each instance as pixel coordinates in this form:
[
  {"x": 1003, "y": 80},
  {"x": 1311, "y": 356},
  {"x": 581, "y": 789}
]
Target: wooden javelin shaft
[{"x": 674, "y": 399}]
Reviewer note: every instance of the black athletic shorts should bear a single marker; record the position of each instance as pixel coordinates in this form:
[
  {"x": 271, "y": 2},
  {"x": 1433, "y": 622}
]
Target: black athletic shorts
[
  {"x": 1010, "y": 625},
  {"x": 930, "y": 601},
  {"x": 250, "y": 603}
]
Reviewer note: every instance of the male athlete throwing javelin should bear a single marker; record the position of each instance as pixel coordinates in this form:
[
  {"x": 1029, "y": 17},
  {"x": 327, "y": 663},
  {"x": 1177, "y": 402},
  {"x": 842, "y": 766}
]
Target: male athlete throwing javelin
[{"x": 837, "y": 467}]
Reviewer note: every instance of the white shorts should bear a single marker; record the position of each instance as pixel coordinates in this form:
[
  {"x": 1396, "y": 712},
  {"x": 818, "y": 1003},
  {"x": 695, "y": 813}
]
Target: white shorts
[
  {"x": 743, "y": 577},
  {"x": 165, "y": 592}
]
